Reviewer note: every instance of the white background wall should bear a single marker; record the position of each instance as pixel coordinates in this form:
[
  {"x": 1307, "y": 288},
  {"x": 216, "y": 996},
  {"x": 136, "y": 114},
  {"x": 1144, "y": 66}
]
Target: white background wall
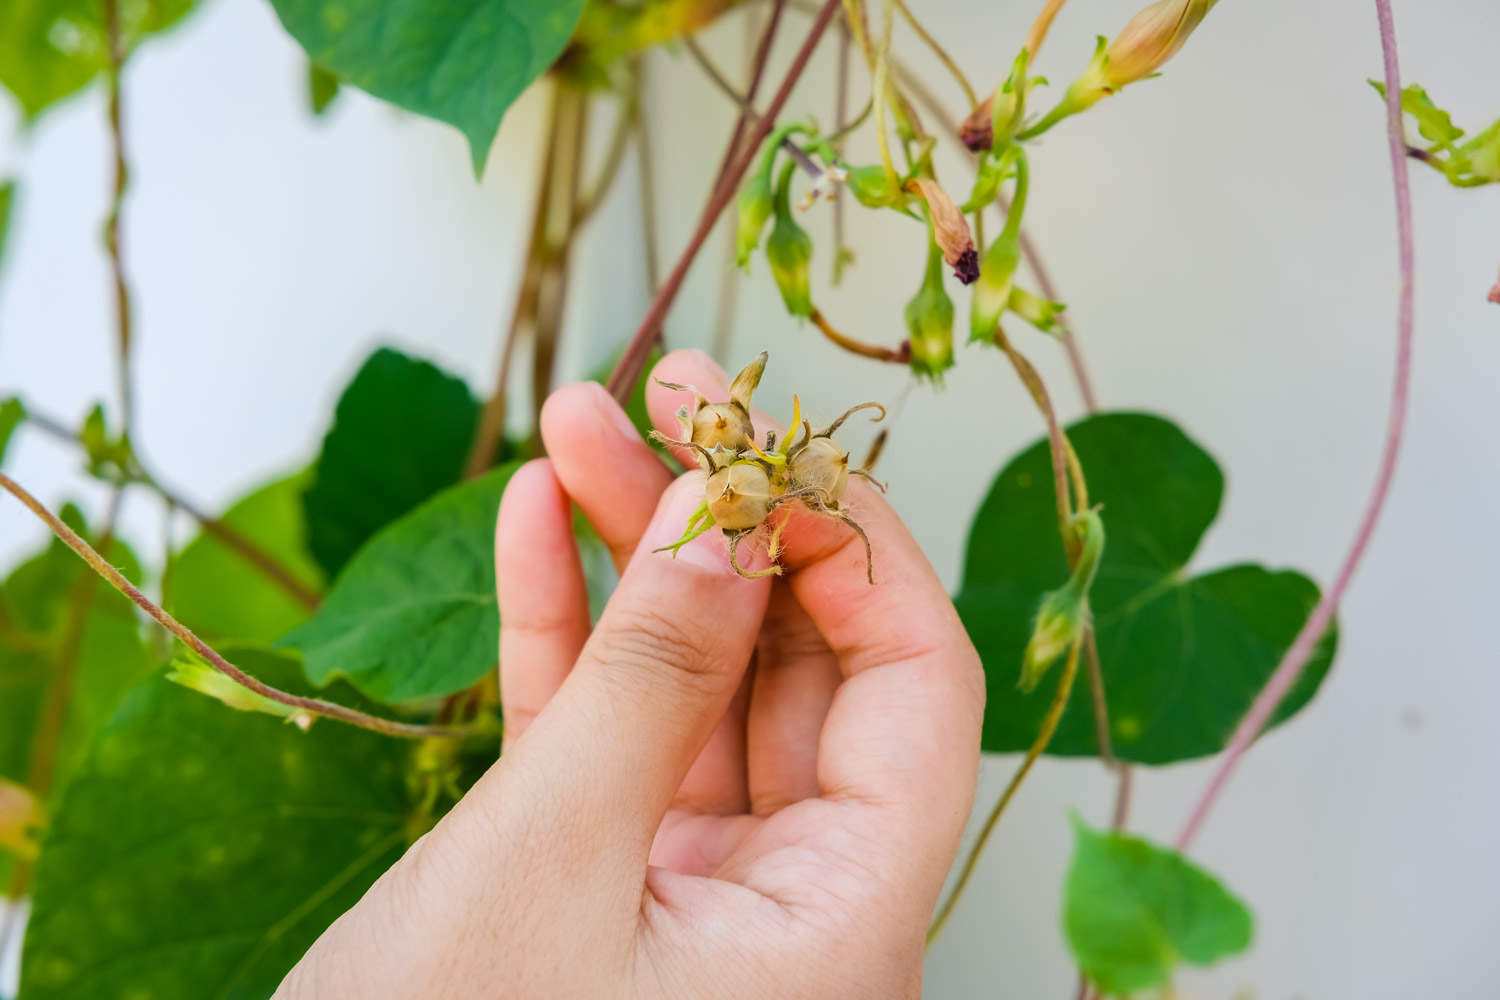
[{"x": 1224, "y": 238}]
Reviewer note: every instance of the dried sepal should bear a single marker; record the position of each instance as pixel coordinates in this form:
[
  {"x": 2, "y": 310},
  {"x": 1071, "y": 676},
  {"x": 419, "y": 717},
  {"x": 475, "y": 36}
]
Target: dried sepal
[{"x": 743, "y": 387}]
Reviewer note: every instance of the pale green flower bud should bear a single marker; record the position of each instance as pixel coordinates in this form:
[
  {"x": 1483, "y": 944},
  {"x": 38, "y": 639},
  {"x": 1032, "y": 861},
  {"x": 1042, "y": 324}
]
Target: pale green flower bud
[
  {"x": 929, "y": 321},
  {"x": 1035, "y": 310},
  {"x": 193, "y": 673},
  {"x": 992, "y": 291},
  {"x": 789, "y": 251},
  {"x": 1063, "y": 614},
  {"x": 871, "y": 187}
]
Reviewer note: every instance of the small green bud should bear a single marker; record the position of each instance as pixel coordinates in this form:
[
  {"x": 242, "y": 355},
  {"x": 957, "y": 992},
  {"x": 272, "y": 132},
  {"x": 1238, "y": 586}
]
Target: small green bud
[
  {"x": 994, "y": 170},
  {"x": 1059, "y": 623},
  {"x": 1063, "y": 614},
  {"x": 929, "y": 321},
  {"x": 871, "y": 186},
  {"x": 191, "y": 672},
  {"x": 755, "y": 212},
  {"x": 789, "y": 251},
  {"x": 1036, "y": 310},
  {"x": 992, "y": 291}
]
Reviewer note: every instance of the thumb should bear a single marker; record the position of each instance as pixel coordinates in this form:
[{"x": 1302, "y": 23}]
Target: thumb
[{"x": 654, "y": 678}]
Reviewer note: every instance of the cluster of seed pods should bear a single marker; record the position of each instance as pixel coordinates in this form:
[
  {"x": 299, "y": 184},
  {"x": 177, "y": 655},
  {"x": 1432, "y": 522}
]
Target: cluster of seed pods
[{"x": 747, "y": 483}]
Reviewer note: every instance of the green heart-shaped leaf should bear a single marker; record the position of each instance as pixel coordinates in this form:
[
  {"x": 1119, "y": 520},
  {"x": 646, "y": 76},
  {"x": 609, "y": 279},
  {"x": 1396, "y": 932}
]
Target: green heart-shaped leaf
[
  {"x": 413, "y": 615},
  {"x": 1132, "y": 911},
  {"x": 1182, "y": 655},
  {"x": 401, "y": 432},
  {"x": 459, "y": 61},
  {"x": 52, "y": 48},
  {"x": 38, "y": 605},
  {"x": 199, "y": 850}
]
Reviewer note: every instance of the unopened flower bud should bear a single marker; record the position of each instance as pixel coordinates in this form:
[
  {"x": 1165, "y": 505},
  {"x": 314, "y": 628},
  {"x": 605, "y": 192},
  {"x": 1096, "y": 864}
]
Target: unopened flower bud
[
  {"x": 1034, "y": 309},
  {"x": 929, "y": 322},
  {"x": 739, "y": 496},
  {"x": 755, "y": 200},
  {"x": 997, "y": 272},
  {"x": 950, "y": 230},
  {"x": 1059, "y": 623},
  {"x": 789, "y": 251},
  {"x": 1152, "y": 37},
  {"x": 1063, "y": 614},
  {"x": 754, "y": 212},
  {"x": 193, "y": 673},
  {"x": 996, "y": 119},
  {"x": 872, "y": 187}
]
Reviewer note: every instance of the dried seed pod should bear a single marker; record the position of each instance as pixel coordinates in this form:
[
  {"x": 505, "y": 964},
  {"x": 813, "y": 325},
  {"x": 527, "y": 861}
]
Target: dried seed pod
[
  {"x": 713, "y": 426},
  {"x": 823, "y": 466},
  {"x": 741, "y": 496}
]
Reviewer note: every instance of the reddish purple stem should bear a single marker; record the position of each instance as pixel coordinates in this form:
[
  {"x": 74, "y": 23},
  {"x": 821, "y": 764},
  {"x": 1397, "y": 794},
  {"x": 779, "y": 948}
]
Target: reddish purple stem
[{"x": 1302, "y": 647}]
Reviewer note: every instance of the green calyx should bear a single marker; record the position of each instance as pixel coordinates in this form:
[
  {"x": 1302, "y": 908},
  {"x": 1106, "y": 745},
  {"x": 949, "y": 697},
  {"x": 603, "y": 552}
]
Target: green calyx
[
  {"x": 929, "y": 321},
  {"x": 1063, "y": 614},
  {"x": 756, "y": 200}
]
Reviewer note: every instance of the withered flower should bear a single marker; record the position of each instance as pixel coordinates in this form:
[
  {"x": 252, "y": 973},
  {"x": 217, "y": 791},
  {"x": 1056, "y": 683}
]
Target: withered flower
[{"x": 950, "y": 230}]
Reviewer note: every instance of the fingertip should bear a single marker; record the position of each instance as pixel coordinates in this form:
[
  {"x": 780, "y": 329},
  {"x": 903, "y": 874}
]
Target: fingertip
[{"x": 533, "y": 499}]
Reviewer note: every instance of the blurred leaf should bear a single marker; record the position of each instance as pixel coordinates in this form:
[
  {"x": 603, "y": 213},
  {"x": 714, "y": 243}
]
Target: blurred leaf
[
  {"x": 11, "y": 415},
  {"x": 52, "y": 48},
  {"x": 7, "y": 197},
  {"x": 1132, "y": 911},
  {"x": 1183, "y": 656},
  {"x": 1479, "y": 158},
  {"x": 217, "y": 593},
  {"x": 401, "y": 433},
  {"x": 36, "y": 609},
  {"x": 459, "y": 61},
  {"x": 1435, "y": 124},
  {"x": 200, "y": 851},
  {"x": 322, "y": 88},
  {"x": 20, "y": 818},
  {"x": 413, "y": 615}
]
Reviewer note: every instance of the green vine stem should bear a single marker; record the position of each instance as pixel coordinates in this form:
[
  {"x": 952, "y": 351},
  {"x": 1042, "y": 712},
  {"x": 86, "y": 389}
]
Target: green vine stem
[
  {"x": 313, "y": 706},
  {"x": 115, "y": 50},
  {"x": 1043, "y": 737},
  {"x": 1297, "y": 655},
  {"x": 628, "y": 372},
  {"x": 252, "y": 553},
  {"x": 942, "y": 54}
]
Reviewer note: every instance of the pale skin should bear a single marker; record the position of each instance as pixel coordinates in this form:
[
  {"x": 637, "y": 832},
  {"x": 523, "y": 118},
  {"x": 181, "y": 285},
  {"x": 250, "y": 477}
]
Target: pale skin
[{"x": 666, "y": 821}]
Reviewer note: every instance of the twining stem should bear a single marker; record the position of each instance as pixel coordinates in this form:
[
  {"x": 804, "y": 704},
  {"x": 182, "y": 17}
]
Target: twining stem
[
  {"x": 563, "y": 223},
  {"x": 243, "y": 546},
  {"x": 1043, "y": 737},
  {"x": 115, "y": 51},
  {"x": 313, "y": 706},
  {"x": 899, "y": 356},
  {"x": 614, "y": 154},
  {"x": 880, "y": 88},
  {"x": 1040, "y": 27},
  {"x": 841, "y": 252},
  {"x": 491, "y": 427},
  {"x": 747, "y": 110},
  {"x": 622, "y": 381},
  {"x": 1296, "y": 657},
  {"x": 757, "y": 47},
  {"x": 940, "y": 52}
]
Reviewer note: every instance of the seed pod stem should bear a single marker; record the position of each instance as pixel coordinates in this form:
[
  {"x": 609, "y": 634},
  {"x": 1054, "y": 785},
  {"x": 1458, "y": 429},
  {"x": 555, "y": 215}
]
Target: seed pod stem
[
  {"x": 849, "y": 413},
  {"x": 734, "y": 546}
]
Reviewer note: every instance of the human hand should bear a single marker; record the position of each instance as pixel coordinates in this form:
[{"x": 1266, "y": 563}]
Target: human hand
[{"x": 666, "y": 820}]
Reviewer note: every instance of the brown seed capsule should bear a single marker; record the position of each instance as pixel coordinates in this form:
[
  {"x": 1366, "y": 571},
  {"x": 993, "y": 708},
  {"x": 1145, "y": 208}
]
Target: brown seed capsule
[
  {"x": 821, "y": 465},
  {"x": 722, "y": 425},
  {"x": 740, "y": 497}
]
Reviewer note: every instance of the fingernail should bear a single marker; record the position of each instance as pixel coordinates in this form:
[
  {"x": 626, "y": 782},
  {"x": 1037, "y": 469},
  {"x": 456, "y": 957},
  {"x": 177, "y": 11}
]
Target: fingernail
[
  {"x": 612, "y": 413},
  {"x": 708, "y": 551}
]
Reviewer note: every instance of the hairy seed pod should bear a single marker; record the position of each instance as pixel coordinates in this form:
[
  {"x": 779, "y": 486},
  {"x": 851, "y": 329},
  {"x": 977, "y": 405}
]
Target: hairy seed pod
[
  {"x": 722, "y": 425},
  {"x": 823, "y": 466},
  {"x": 740, "y": 497}
]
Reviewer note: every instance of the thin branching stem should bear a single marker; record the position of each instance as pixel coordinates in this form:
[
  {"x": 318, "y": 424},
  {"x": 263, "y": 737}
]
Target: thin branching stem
[
  {"x": 716, "y": 77},
  {"x": 231, "y": 537},
  {"x": 115, "y": 51},
  {"x": 1307, "y": 640},
  {"x": 313, "y": 706},
  {"x": 622, "y": 381},
  {"x": 1043, "y": 737},
  {"x": 937, "y": 49}
]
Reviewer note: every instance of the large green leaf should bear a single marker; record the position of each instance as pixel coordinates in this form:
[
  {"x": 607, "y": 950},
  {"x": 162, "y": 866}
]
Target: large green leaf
[
  {"x": 52, "y": 48},
  {"x": 460, "y": 61},
  {"x": 413, "y": 615},
  {"x": 200, "y": 850},
  {"x": 1182, "y": 655},
  {"x": 218, "y": 593},
  {"x": 401, "y": 432},
  {"x": 106, "y": 657},
  {"x": 1132, "y": 911}
]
